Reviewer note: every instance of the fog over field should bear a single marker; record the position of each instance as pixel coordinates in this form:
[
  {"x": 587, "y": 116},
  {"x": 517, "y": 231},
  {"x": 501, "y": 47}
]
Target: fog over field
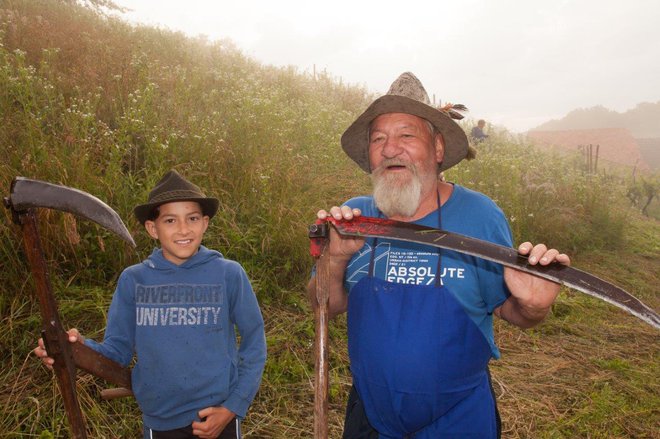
[{"x": 515, "y": 64}]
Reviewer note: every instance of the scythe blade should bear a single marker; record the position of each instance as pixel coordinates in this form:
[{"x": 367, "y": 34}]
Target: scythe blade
[
  {"x": 572, "y": 277},
  {"x": 27, "y": 193}
]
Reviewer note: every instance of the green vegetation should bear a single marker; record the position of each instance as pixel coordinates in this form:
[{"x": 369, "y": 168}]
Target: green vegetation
[
  {"x": 643, "y": 194},
  {"x": 91, "y": 102}
]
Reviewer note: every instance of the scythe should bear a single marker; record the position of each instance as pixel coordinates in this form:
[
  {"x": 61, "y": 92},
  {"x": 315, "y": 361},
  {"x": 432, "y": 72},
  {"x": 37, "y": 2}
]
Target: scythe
[{"x": 26, "y": 195}]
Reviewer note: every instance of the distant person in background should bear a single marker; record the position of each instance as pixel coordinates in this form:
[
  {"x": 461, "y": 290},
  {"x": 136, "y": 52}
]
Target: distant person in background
[{"x": 477, "y": 133}]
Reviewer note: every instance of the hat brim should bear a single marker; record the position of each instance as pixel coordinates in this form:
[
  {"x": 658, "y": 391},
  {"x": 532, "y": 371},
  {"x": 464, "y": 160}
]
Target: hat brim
[
  {"x": 355, "y": 140},
  {"x": 209, "y": 207}
]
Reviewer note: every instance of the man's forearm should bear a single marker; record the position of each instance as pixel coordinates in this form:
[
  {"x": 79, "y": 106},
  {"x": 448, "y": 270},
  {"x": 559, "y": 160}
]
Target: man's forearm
[{"x": 523, "y": 317}]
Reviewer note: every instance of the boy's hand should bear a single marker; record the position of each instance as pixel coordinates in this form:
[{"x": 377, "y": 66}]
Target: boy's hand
[
  {"x": 217, "y": 418},
  {"x": 40, "y": 350}
]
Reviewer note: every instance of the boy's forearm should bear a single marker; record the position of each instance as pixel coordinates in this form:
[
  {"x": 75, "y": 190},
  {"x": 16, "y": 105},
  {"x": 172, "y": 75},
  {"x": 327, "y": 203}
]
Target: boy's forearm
[
  {"x": 251, "y": 353},
  {"x": 252, "y": 360},
  {"x": 119, "y": 336},
  {"x": 237, "y": 404},
  {"x": 110, "y": 351}
]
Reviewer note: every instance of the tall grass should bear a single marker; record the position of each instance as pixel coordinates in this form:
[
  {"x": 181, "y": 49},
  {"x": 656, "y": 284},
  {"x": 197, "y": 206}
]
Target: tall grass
[
  {"x": 94, "y": 103},
  {"x": 548, "y": 197},
  {"x": 255, "y": 136}
]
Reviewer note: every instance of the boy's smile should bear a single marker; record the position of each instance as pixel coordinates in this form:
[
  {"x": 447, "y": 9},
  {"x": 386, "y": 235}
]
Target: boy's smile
[{"x": 180, "y": 227}]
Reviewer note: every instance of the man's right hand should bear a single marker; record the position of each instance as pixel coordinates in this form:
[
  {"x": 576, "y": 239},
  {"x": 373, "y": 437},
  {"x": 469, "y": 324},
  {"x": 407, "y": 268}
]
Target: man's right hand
[
  {"x": 40, "y": 350},
  {"x": 338, "y": 253},
  {"x": 342, "y": 247}
]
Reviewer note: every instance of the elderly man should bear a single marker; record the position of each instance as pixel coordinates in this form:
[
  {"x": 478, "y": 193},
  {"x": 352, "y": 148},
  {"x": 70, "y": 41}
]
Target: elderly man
[{"x": 420, "y": 332}]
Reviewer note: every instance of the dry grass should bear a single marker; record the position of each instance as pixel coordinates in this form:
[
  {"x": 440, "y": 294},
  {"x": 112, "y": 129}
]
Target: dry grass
[
  {"x": 554, "y": 382},
  {"x": 589, "y": 371}
]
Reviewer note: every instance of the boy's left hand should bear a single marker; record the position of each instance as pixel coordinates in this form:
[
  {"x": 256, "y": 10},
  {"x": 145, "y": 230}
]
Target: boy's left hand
[{"x": 217, "y": 418}]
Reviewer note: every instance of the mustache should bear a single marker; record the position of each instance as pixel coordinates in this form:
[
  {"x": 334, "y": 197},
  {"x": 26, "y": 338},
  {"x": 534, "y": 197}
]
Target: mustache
[{"x": 394, "y": 162}]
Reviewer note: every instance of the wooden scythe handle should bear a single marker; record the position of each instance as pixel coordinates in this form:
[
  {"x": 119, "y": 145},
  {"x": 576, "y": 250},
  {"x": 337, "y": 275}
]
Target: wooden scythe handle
[
  {"x": 58, "y": 345},
  {"x": 117, "y": 392},
  {"x": 321, "y": 351}
]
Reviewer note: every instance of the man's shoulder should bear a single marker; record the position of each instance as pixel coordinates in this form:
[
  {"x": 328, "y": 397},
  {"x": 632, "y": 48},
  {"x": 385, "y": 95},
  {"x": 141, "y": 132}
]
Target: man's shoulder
[
  {"x": 466, "y": 194},
  {"x": 476, "y": 214},
  {"x": 477, "y": 203}
]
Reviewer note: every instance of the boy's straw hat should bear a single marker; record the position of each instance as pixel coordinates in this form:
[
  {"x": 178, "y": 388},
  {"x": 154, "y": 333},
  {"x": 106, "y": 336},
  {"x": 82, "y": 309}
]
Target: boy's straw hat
[
  {"x": 173, "y": 187},
  {"x": 406, "y": 95}
]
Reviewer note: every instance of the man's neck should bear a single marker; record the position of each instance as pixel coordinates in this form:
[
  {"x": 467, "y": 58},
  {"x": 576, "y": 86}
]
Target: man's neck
[{"x": 429, "y": 201}]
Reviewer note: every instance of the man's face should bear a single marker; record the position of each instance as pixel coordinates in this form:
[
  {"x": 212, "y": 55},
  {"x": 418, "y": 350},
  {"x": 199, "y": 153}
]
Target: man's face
[
  {"x": 401, "y": 138},
  {"x": 404, "y": 158}
]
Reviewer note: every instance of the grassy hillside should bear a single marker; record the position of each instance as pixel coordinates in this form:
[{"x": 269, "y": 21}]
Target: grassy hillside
[{"x": 91, "y": 102}]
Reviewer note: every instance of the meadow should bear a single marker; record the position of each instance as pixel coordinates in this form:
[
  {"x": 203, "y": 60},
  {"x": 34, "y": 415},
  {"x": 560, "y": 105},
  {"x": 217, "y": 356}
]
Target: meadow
[{"x": 89, "y": 101}]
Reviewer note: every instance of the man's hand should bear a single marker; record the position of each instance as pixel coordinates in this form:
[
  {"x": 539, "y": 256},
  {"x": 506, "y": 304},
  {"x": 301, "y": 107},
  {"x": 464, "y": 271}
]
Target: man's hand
[
  {"x": 531, "y": 296},
  {"x": 217, "y": 418},
  {"x": 342, "y": 247},
  {"x": 40, "y": 350},
  {"x": 338, "y": 253}
]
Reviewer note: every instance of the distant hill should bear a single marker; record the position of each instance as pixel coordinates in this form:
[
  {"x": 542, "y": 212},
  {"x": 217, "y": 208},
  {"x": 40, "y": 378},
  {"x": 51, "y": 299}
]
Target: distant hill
[
  {"x": 615, "y": 145},
  {"x": 641, "y": 121}
]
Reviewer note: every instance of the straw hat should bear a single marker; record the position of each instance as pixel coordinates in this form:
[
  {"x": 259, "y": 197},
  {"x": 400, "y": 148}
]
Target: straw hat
[
  {"x": 173, "y": 187},
  {"x": 406, "y": 95}
]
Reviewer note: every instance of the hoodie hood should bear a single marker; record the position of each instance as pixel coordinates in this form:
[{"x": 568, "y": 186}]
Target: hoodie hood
[{"x": 157, "y": 261}]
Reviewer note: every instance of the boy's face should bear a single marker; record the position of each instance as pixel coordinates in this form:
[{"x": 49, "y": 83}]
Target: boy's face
[{"x": 179, "y": 227}]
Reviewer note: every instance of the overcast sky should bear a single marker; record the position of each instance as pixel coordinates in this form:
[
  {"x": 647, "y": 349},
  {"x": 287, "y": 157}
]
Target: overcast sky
[{"x": 514, "y": 63}]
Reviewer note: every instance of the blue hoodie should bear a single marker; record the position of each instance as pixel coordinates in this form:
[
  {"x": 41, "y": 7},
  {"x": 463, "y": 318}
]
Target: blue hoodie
[{"x": 179, "y": 321}]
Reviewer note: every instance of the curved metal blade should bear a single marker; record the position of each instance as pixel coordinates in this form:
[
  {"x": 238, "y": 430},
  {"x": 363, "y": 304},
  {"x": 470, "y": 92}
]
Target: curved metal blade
[
  {"x": 27, "y": 193},
  {"x": 569, "y": 276}
]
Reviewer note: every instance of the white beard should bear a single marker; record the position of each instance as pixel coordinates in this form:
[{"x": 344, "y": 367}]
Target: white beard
[{"x": 394, "y": 194}]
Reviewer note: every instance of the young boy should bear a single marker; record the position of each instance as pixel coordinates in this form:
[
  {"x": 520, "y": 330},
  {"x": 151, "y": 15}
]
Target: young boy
[{"x": 176, "y": 312}]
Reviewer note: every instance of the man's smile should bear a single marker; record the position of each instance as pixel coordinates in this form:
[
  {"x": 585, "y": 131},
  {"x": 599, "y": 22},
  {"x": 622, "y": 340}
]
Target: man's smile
[{"x": 396, "y": 167}]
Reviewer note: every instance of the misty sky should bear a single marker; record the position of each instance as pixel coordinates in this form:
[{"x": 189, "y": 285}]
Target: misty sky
[{"x": 516, "y": 64}]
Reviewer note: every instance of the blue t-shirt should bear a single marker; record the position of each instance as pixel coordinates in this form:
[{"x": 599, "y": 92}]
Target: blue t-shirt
[{"x": 476, "y": 283}]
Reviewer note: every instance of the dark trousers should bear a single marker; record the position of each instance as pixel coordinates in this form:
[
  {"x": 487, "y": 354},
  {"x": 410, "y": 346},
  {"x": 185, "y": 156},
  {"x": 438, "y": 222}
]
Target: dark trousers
[
  {"x": 231, "y": 431},
  {"x": 356, "y": 424}
]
